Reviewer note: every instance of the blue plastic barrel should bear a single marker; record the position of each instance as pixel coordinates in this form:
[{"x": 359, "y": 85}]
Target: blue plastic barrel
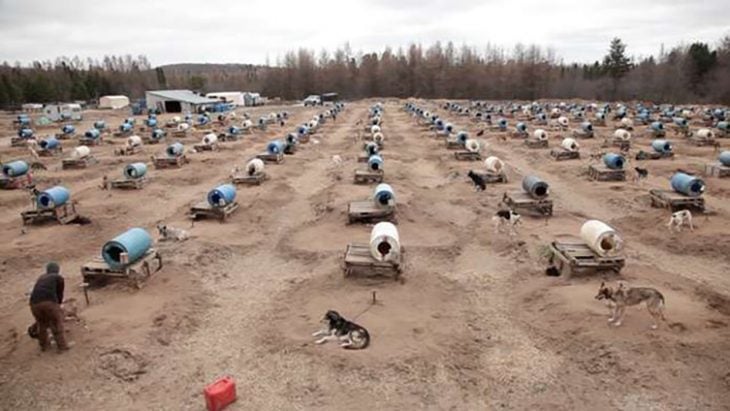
[
  {"x": 614, "y": 161},
  {"x": 25, "y": 133},
  {"x": 449, "y": 128},
  {"x": 134, "y": 242},
  {"x": 383, "y": 194},
  {"x": 233, "y": 130},
  {"x": 680, "y": 121},
  {"x": 15, "y": 168},
  {"x": 92, "y": 133},
  {"x": 68, "y": 129},
  {"x": 175, "y": 150},
  {"x": 521, "y": 127},
  {"x": 53, "y": 197},
  {"x": 657, "y": 126},
  {"x": 49, "y": 143},
  {"x": 125, "y": 127},
  {"x": 535, "y": 187},
  {"x": 725, "y": 158},
  {"x": 203, "y": 120},
  {"x": 130, "y": 120},
  {"x": 688, "y": 185},
  {"x": 540, "y": 116},
  {"x": 586, "y": 126},
  {"x": 375, "y": 162},
  {"x": 275, "y": 147},
  {"x": 601, "y": 115},
  {"x": 151, "y": 122},
  {"x": 502, "y": 124},
  {"x": 462, "y": 136},
  {"x": 719, "y": 114},
  {"x": 291, "y": 138},
  {"x": 723, "y": 125},
  {"x": 661, "y": 146},
  {"x": 158, "y": 134},
  {"x": 222, "y": 195},
  {"x": 302, "y": 130},
  {"x": 440, "y": 124},
  {"x": 100, "y": 125},
  {"x": 152, "y": 115},
  {"x": 135, "y": 171}
]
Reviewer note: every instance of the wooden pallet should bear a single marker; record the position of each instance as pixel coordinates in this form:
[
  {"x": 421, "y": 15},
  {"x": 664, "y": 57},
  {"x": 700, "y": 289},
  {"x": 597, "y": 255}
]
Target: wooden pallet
[
  {"x": 577, "y": 256},
  {"x": 62, "y": 136},
  {"x": 653, "y": 155},
  {"x": 701, "y": 142},
  {"x": 125, "y": 183},
  {"x": 675, "y": 201},
  {"x": 13, "y": 183},
  {"x": 206, "y": 147},
  {"x": 581, "y": 134},
  {"x": 204, "y": 210},
  {"x": 467, "y": 156},
  {"x": 531, "y": 143},
  {"x": 717, "y": 170},
  {"x": 63, "y": 214},
  {"x": 622, "y": 144},
  {"x": 169, "y": 162},
  {"x": 358, "y": 260},
  {"x": 363, "y": 158},
  {"x": 150, "y": 140},
  {"x": 252, "y": 180},
  {"x": 304, "y": 138},
  {"x": 83, "y": 141},
  {"x": 230, "y": 137},
  {"x": 271, "y": 158},
  {"x": 180, "y": 133},
  {"x": 128, "y": 151},
  {"x": 519, "y": 200},
  {"x": 367, "y": 176},
  {"x": 50, "y": 153},
  {"x": 491, "y": 178},
  {"x": 561, "y": 154},
  {"x": 77, "y": 163},
  {"x": 98, "y": 272},
  {"x": 368, "y": 212},
  {"x": 453, "y": 144},
  {"x": 599, "y": 172},
  {"x": 121, "y": 134}
]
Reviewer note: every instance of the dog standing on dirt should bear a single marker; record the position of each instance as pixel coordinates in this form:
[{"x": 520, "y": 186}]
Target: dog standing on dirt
[
  {"x": 624, "y": 297},
  {"x": 506, "y": 218},
  {"x": 172, "y": 234},
  {"x": 479, "y": 183},
  {"x": 641, "y": 174},
  {"x": 350, "y": 335},
  {"x": 680, "y": 218}
]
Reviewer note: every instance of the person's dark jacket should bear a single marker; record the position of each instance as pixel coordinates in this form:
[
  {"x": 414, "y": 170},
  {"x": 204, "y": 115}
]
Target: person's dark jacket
[{"x": 48, "y": 287}]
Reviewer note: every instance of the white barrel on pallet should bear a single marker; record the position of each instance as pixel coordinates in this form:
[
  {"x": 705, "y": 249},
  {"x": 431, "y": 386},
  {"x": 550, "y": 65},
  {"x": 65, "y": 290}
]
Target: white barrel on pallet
[
  {"x": 570, "y": 144},
  {"x": 80, "y": 152},
  {"x": 540, "y": 134},
  {"x": 183, "y": 127},
  {"x": 622, "y": 135},
  {"x": 134, "y": 141},
  {"x": 378, "y": 138},
  {"x": 210, "y": 139},
  {"x": 601, "y": 238},
  {"x": 375, "y": 129},
  {"x": 254, "y": 167},
  {"x": 563, "y": 121},
  {"x": 705, "y": 133},
  {"x": 627, "y": 123},
  {"x": 472, "y": 145},
  {"x": 385, "y": 242},
  {"x": 494, "y": 164}
]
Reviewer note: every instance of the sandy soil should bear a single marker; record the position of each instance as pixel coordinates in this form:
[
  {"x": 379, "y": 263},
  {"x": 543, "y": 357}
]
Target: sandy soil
[{"x": 475, "y": 325}]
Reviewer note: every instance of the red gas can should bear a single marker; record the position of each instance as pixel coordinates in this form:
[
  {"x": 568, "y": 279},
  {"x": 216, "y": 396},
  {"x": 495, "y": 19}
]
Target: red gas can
[{"x": 220, "y": 394}]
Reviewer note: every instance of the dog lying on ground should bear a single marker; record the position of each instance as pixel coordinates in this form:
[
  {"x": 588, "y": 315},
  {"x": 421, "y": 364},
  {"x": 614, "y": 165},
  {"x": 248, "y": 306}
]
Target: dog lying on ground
[
  {"x": 479, "y": 183},
  {"x": 172, "y": 234},
  {"x": 624, "y": 297},
  {"x": 680, "y": 218},
  {"x": 337, "y": 160},
  {"x": 506, "y": 218},
  {"x": 641, "y": 174},
  {"x": 350, "y": 335}
]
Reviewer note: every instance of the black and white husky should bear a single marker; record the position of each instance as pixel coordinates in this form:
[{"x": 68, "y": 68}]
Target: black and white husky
[{"x": 350, "y": 335}]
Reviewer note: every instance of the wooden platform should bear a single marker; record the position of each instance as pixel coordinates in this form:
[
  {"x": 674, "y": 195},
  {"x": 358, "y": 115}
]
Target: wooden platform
[
  {"x": 271, "y": 158},
  {"x": 13, "y": 183},
  {"x": 125, "y": 183},
  {"x": 204, "y": 210},
  {"x": 570, "y": 257},
  {"x": 304, "y": 138},
  {"x": 230, "y": 137},
  {"x": 453, "y": 144},
  {"x": 717, "y": 170},
  {"x": 50, "y": 153},
  {"x": 467, "y": 156},
  {"x": 652, "y": 155},
  {"x": 358, "y": 260},
  {"x": 368, "y": 212},
  {"x": 169, "y": 162},
  {"x": 622, "y": 144},
  {"x": 519, "y": 200},
  {"x": 206, "y": 147},
  {"x": 252, "y": 180},
  {"x": 561, "y": 154},
  {"x": 77, "y": 163},
  {"x": 363, "y": 158},
  {"x": 63, "y": 214},
  {"x": 675, "y": 201},
  {"x": 531, "y": 143},
  {"x": 368, "y": 177},
  {"x": 98, "y": 272},
  {"x": 128, "y": 151},
  {"x": 180, "y": 133},
  {"x": 599, "y": 172},
  {"x": 150, "y": 140},
  {"x": 581, "y": 134},
  {"x": 18, "y": 142},
  {"x": 701, "y": 142},
  {"x": 490, "y": 177},
  {"x": 83, "y": 141},
  {"x": 121, "y": 134}
]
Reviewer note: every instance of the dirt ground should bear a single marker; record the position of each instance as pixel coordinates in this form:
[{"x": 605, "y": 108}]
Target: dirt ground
[{"x": 474, "y": 325}]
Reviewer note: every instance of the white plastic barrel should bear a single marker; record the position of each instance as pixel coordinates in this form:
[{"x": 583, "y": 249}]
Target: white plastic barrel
[
  {"x": 540, "y": 134},
  {"x": 601, "y": 238},
  {"x": 627, "y": 123},
  {"x": 134, "y": 141},
  {"x": 494, "y": 164},
  {"x": 472, "y": 145},
  {"x": 374, "y": 129},
  {"x": 247, "y": 124},
  {"x": 378, "y": 138},
  {"x": 570, "y": 144},
  {"x": 563, "y": 121},
  {"x": 183, "y": 127},
  {"x": 80, "y": 152},
  {"x": 385, "y": 242},
  {"x": 210, "y": 139},
  {"x": 622, "y": 135},
  {"x": 705, "y": 133},
  {"x": 176, "y": 119},
  {"x": 254, "y": 167}
]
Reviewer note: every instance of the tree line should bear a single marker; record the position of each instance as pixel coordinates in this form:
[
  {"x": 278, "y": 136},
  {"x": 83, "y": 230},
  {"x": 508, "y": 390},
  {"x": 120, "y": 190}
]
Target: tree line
[{"x": 695, "y": 73}]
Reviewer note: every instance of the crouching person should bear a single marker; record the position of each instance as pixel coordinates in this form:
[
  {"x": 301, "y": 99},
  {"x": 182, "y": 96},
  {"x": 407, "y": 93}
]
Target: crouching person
[{"x": 45, "y": 304}]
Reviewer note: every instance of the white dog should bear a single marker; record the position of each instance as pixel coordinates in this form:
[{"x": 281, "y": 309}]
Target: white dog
[
  {"x": 336, "y": 160},
  {"x": 171, "y": 233},
  {"x": 680, "y": 218}
]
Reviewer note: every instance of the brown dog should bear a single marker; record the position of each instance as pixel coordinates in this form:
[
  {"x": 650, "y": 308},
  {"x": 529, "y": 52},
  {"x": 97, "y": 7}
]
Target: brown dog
[{"x": 624, "y": 297}]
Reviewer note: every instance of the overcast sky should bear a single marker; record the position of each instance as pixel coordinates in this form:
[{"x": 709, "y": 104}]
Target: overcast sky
[{"x": 250, "y": 31}]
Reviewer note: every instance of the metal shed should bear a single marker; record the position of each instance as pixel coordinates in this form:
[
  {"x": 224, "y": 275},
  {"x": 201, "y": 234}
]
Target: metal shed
[{"x": 178, "y": 101}]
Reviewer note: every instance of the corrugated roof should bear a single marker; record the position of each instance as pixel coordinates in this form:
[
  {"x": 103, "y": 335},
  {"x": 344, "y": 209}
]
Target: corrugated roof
[{"x": 183, "y": 95}]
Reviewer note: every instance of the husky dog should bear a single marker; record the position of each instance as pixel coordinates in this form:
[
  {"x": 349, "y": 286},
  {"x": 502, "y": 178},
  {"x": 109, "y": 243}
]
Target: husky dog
[
  {"x": 680, "y": 218},
  {"x": 171, "y": 233},
  {"x": 351, "y": 335},
  {"x": 624, "y": 297},
  {"x": 641, "y": 174}
]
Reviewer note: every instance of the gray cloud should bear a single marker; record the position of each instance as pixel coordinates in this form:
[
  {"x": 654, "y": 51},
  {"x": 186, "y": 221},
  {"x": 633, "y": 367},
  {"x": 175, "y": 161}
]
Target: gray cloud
[{"x": 251, "y": 31}]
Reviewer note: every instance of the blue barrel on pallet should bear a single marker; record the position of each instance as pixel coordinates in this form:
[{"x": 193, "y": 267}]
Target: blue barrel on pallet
[
  {"x": 719, "y": 114},
  {"x": 439, "y": 124},
  {"x": 52, "y": 197},
  {"x": 234, "y": 131},
  {"x": 601, "y": 115},
  {"x": 462, "y": 136},
  {"x": 25, "y": 133},
  {"x": 302, "y": 130},
  {"x": 100, "y": 125},
  {"x": 175, "y": 150},
  {"x": 158, "y": 134},
  {"x": 15, "y": 168},
  {"x": 68, "y": 129},
  {"x": 723, "y": 125},
  {"x": 23, "y": 120},
  {"x": 222, "y": 195},
  {"x": 384, "y": 195},
  {"x": 49, "y": 143},
  {"x": 135, "y": 171},
  {"x": 203, "y": 120},
  {"x": 375, "y": 163},
  {"x": 535, "y": 187},
  {"x": 586, "y": 126},
  {"x": 371, "y": 148},
  {"x": 502, "y": 124},
  {"x": 130, "y": 120},
  {"x": 92, "y": 133},
  {"x": 724, "y": 158},
  {"x": 291, "y": 139},
  {"x": 688, "y": 185},
  {"x": 657, "y": 126},
  {"x": 661, "y": 146},
  {"x": 539, "y": 116},
  {"x": 125, "y": 127},
  {"x": 614, "y": 161},
  {"x": 680, "y": 121},
  {"x": 275, "y": 147},
  {"x": 151, "y": 122},
  {"x": 134, "y": 242},
  {"x": 521, "y": 127}
]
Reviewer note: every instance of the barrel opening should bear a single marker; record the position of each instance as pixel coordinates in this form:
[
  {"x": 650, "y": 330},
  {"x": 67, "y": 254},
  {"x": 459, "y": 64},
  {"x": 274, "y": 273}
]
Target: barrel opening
[
  {"x": 216, "y": 198},
  {"x": 375, "y": 166},
  {"x": 619, "y": 163},
  {"x": 697, "y": 187},
  {"x": 607, "y": 244},
  {"x": 383, "y": 198},
  {"x": 114, "y": 252},
  {"x": 384, "y": 248},
  {"x": 43, "y": 144},
  {"x": 45, "y": 201},
  {"x": 540, "y": 191}
]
